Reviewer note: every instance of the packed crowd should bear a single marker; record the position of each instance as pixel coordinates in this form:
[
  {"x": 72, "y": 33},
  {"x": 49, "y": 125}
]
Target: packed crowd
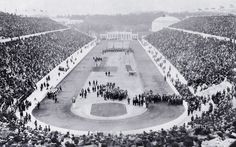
[
  {"x": 222, "y": 25},
  {"x": 149, "y": 97},
  {"x": 12, "y": 25},
  {"x": 194, "y": 102},
  {"x": 220, "y": 121},
  {"x": 23, "y": 136},
  {"x": 212, "y": 60},
  {"x": 24, "y": 62},
  {"x": 217, "y": 122},
  {"x": 108, "y": 91}
]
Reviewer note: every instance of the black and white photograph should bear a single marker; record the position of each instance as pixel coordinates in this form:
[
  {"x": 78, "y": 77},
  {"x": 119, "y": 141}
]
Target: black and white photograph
[{"x": 117, "y": 73}]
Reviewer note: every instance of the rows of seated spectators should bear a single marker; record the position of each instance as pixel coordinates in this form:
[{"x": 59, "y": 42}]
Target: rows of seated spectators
[
  {"x": 217, "y": 122},
  {"x": 202, "y": 61},
  {"x": 24, "y": 62},
  {"x": 220, "y": 121},
  {"x": 224, "y": 25},
  {"x": 12, "y": 25},
  {"x": 19, "y": 135}
]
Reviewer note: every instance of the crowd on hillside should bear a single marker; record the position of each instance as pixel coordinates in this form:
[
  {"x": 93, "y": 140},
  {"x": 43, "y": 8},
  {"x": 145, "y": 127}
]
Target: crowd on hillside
[
  {"x": 24, "y": 62},
  {"x": 12, "y": 25},
  {"x": 221, "y": 25},
  {"x": 202, "y": 61}
]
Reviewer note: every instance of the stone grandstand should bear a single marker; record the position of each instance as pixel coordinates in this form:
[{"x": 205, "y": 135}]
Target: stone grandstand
[{"x": 169, "y": 102}]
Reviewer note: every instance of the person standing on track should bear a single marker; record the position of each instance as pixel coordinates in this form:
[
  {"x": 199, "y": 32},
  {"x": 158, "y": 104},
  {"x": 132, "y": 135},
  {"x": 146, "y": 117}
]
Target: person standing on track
[
  {"x": 73, "y": 99},
  {"x": 128, "y": 100}
]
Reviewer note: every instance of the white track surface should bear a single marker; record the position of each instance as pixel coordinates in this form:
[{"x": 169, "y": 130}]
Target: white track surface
[
  {"x": 31, "y": 35},
  {"x": 82, "y": 107}
]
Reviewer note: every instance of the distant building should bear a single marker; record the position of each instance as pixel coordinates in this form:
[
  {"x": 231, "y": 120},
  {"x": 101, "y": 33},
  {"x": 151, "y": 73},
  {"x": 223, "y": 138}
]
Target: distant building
[
  {"x": 162, "y": 22},
  {"x": 119, "y": 36}
]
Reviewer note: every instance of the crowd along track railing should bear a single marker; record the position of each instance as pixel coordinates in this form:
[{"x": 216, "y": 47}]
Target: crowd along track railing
[{"x": 55, "y": 78}]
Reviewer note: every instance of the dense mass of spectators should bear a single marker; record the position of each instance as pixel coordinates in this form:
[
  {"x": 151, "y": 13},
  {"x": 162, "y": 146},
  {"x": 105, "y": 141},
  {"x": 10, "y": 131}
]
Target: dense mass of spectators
[
  {"x": 220, "y": 121},
  {"x": 12, "y": 25},
  {"x": 217, "y": 122},
  {"x": 24, "y": 62},
  {"x": 202, "y": 61},
  {"x": 19, "y": 135},
  {"x": 224, "y": 26}
]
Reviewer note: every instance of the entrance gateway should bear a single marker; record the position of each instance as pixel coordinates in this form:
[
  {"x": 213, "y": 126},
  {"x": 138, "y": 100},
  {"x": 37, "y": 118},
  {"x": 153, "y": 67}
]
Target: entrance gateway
[{"x": 119, "y": 36}]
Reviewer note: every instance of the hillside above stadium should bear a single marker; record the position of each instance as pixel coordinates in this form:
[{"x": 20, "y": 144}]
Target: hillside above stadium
[{"x": 162, "y": 22}]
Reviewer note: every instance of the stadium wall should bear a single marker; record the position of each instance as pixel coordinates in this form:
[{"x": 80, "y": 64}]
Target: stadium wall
[{"x": 30, "y": 35}]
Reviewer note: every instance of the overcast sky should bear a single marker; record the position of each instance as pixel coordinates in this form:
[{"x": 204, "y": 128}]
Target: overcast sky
[{"x": 54, "y": 7}]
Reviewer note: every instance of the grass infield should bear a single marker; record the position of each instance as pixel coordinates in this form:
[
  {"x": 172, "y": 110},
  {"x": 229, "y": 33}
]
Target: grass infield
[{"x": 108, "y": 109}]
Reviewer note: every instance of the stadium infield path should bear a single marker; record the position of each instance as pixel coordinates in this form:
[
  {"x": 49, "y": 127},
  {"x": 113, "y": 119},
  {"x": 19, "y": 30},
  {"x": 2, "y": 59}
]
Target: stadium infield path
[
  {"x": 150, "y": 76},
  {"x": 60, "y": 115}
]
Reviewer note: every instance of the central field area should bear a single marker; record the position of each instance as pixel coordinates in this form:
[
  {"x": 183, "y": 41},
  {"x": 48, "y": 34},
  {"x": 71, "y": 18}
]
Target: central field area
[
  {"x": 147, "y": 77},
  {"x": 108, "y": 109}
]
